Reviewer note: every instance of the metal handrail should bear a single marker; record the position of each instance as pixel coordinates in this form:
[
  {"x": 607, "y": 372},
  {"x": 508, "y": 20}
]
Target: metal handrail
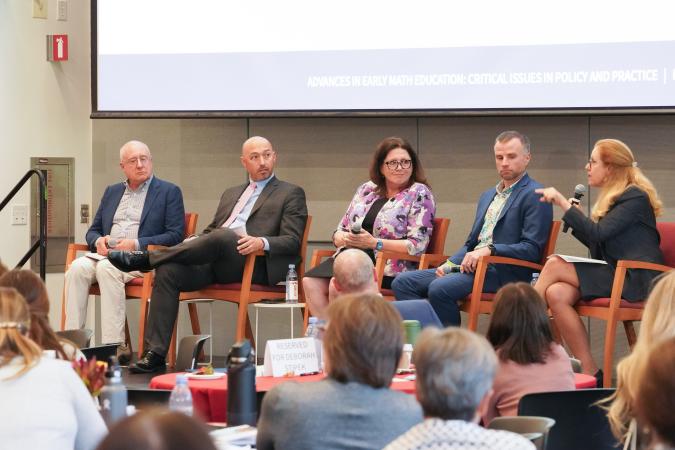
[{"x": 41, "y": 243}]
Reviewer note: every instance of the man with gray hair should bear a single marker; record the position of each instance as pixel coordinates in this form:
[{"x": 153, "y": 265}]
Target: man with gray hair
[
  {"x": 354, "y": 273},
  {"x": 139, "y": 211},
  {"x": 510, "y": 221},
  {"x": 455, "y": 371}
]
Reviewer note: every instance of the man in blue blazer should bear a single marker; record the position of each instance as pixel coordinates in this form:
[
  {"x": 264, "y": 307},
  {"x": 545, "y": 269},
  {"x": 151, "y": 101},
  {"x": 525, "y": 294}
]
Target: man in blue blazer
[
  {"x": 140, "y": 211},
  {"x": 510, "y": 221}
]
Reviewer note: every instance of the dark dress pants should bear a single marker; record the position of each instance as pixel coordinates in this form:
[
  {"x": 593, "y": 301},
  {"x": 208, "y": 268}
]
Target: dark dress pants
[{"x": 210, "y": 258}]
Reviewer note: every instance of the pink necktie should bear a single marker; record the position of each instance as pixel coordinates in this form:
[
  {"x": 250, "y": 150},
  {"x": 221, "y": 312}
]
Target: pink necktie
[{"x": 245, "y": 196}]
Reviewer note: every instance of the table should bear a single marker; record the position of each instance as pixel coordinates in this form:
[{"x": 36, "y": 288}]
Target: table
[{"x": 209, "y": 397}]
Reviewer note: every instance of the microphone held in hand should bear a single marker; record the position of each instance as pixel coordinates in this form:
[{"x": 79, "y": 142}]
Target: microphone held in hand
[
  {"x": 356, "y": 227},
  {"x": 579, "y": 191},
  {"x": 112, "y": 242}
]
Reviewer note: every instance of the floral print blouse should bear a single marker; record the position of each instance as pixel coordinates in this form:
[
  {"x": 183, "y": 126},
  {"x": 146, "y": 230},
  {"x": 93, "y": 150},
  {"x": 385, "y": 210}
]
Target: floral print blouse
[{"x": 409, "y": 215}]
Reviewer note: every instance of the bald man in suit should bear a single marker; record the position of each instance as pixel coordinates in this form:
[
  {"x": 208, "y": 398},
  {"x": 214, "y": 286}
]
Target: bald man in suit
[{"x": 264, "y": 214}]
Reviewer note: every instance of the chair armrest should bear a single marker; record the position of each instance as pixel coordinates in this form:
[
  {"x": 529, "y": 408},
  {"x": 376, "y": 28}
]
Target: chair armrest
[
  {"x": 71, "y": 253},
  {"x": 381, "y": 261},
  {"x": 429, "y": 259},
  {"x": 153, "y": 247},
  {"x": 511, "y": 262},
  {"x": 320, "y": 254},
  {"x": 630, "y": 264}
]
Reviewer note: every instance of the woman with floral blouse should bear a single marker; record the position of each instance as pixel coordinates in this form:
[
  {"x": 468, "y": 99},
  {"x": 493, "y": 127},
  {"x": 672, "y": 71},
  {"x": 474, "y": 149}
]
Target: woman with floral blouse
[{"x": 394, "y": 211}]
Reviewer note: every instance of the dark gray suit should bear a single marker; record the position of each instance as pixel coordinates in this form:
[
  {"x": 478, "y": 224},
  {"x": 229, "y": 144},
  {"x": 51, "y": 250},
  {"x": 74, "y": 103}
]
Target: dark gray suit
[{"x": 279, "y": 215}]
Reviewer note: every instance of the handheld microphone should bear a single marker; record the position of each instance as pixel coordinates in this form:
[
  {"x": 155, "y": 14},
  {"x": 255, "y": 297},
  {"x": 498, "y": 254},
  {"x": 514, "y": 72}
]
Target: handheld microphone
[
  {"x": 112, "y": 242},
  {"x": 579, "y": 191},
  {"x": 356, "y": 227}
]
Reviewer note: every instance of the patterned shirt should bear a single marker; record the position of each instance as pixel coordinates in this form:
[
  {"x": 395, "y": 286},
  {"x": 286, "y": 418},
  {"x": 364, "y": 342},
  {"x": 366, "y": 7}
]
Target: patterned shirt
[
  {"x": 127, "y": 218},
  {"x": 408, "y": 215},
  {"x": 493, "y": 212},
  {"x": 438, "y": 434}
]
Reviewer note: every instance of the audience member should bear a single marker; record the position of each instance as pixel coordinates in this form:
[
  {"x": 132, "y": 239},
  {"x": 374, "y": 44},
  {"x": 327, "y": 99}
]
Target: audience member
[
  {"x": 510, "y": 221},
  {"x": 140, "y": 211},
  {"x": 44, "y": 402},
  {"x": 395, "y": 210},
  {"x": 622, "y": 226},
  {"x": 34, "y": 291},
  {"x": 158, "y": 429},
  {"x": 353, "y": 408},
  {"x": 658, "y": 324},
  {"x": 354, "y": 273},
  {"x": 529, "y": 359},
  {"x": 455, "y": 369},
  {"x": 265, "y": 214},
  {"x": 655, "y": 399}
]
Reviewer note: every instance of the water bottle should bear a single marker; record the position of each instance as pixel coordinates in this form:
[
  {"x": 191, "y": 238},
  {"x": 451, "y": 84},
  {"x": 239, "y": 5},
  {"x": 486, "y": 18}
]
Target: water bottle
[
  {"x": 315, "y": 328},
  {"x": 113, "y": 399},
  {"x": 291, "y": 285},
  {"x": 241, "y": 392},
  {"x": 181, "y": 398},
  {"x": 535, "y": 278}
]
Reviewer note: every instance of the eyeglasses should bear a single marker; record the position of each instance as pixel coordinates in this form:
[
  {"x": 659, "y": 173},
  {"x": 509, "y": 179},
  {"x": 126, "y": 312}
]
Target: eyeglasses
[
  {"x": 133, "y": 161},
  {"x": 394, "y": 164}
]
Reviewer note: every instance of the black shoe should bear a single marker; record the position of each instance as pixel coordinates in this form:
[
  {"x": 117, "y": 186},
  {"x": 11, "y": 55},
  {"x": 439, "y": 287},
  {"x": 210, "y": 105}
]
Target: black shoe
[
  {"x": 151, "y": 362},
  {"x": 130, "y": 261},
  {"x": 599, "y": 378},
  {"x": 123, "y": 354}
]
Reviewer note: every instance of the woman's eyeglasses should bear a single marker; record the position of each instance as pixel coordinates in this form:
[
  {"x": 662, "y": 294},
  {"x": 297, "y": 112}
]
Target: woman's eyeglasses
[{"x": 394, "y": 164}]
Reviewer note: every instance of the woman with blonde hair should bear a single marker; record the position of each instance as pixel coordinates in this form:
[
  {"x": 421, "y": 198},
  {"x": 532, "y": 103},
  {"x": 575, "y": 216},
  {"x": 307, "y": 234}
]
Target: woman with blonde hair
[
  {"x": 44, "y": 403},
  {"x": 622, "y": 226},
  {"x": 34, "y": 291},
  {"x": 658, "y": 325}
]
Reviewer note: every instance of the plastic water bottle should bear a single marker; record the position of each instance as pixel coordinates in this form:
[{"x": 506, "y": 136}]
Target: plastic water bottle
[
  {"x": 113, "y": 399},
  {"x": 241, "y": 392},
  {"x": 315, "y": 328},
  {"x": 291, "y": 285},
  {"x": 181, "y": 398},
  {"x": 535, "y": 278}
]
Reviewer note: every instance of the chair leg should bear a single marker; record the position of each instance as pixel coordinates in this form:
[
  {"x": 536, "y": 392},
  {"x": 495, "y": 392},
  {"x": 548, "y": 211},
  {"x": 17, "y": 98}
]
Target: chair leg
[
  {"x": 196, "y": 329},
  {"x": 127, "y": 335},
  {"x": 171, "y": 357},
  {"x": 630, "y": 333},
  {"x": 608, "y": 359},
  {"x": 142, "y": 321}
]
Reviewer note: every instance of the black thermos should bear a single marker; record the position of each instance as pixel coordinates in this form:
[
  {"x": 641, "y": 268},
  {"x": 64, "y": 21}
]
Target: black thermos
[{"x": 241, "y": 393}]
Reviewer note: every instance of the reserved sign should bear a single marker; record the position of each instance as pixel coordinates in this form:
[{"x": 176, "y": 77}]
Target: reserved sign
[{"x": 291, "y": 357}]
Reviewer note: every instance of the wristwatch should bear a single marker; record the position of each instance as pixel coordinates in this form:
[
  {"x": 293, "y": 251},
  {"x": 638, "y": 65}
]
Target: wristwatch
[
  {"x": 492, "y": 249},
  {"x": 379, "y": 246}
]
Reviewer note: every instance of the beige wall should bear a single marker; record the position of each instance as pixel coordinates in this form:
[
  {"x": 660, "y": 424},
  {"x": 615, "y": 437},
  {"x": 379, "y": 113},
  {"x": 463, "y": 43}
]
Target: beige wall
[
  {"x": 329, "y": 158},
  {"x": 44, "y": 112}
]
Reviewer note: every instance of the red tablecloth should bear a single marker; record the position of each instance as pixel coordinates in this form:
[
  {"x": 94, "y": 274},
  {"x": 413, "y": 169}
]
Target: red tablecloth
[{"x": 209, "y": 397}]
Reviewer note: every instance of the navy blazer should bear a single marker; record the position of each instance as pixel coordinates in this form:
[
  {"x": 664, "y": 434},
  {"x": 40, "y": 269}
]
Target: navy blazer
[
  {"x": 521, "y": 231},
  {"x": 162, "y": 219}
]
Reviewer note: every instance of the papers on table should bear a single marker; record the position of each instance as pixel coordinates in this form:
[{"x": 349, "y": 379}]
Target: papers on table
[
  {"x": 579, "y": 259},
  {"x": 240, "y": 437}
]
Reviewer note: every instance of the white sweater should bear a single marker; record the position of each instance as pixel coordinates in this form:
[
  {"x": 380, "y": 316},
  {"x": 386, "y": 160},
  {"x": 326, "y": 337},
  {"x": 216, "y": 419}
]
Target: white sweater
[{"x": 47, "y": 407}]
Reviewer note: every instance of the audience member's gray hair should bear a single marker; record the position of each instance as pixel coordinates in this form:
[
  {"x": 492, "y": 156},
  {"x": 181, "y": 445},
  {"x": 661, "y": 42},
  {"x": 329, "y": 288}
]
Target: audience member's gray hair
[
  {"x": 455, "y": 369},
  {"x": 353, "y": 270},
  {"x": 131, "y": 145},
  {"x": 506, "y": 136}
]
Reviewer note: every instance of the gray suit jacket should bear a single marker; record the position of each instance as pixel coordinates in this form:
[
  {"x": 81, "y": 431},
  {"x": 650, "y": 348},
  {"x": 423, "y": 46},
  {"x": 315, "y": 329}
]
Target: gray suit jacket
[{"x": 279, "y": 215}]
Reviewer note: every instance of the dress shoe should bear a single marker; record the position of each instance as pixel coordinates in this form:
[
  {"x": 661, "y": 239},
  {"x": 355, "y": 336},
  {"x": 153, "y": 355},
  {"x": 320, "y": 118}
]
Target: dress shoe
[
  {"x": 130, "y": 261},
  {"x": 151, "y": 362},
  {"x": 123, "y": 354}
]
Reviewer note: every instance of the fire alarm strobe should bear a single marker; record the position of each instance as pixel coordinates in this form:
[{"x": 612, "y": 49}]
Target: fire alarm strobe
[{"x": 57, "y": 47}]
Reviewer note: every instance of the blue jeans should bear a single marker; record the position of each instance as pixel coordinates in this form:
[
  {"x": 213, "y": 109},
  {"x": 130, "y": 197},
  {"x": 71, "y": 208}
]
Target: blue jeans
[{"x": 444, "y": 293}]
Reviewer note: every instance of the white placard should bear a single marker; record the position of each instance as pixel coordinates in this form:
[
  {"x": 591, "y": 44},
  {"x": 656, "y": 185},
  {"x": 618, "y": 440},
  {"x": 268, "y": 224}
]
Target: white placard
[
  {"x": 579, "y": 259},
  {"x": 291, "y": 356}
]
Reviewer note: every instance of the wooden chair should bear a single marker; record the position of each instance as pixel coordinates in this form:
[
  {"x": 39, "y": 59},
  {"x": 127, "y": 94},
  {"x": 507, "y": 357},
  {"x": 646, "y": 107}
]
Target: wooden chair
[
  {"x": 136, "y": 288},
  {"x": 479, "y": 302},
  {"x": 242, "y": 294},
  {"x": 614, "y": 309},
  {"x": 436, "y": 245}
]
